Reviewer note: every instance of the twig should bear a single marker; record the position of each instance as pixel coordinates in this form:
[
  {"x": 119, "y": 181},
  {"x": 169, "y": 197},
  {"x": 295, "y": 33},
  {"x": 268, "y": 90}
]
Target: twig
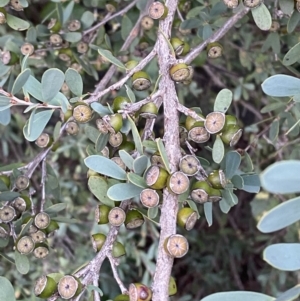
[
  {"x": 188, "y": 112},
  {"x": 216, "y": 36},
  {"x": 95, "y": 293},
  {"x": 43, "y": 184}
]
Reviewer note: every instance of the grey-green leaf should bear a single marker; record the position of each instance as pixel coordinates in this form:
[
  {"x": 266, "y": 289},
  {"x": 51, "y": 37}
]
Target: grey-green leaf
[
  {"x": 223, "y": 101},
  {"x": 282, "y": 177},
  {"x": 238, "y": 296},
  {"x": 101, "y": 142},
  {"x": 232, "y": 163},
  {"x": 16, "y": 23},
  {"x": 52, "y": 81},
  {"x": 208, "y": 213},
  {"x": 87, "y": 19},
  {"x": 251, "y": 183},
  {"x": 293, "y": 21},
  {"x": 140, "y": 164},
  {"x": 284, "y": 256},
  {"x": 292, "y": 56},
  {"x": 126, "y": 158},
  {"x": 7, "y": 292},
  {"x": 22, "y": 263},
  {"x": 72, "y": 37},
  {"x": 137, "y": 180},
  {"x": 163, "y": 154},
  {"x": 130, "y": 93},
  {"x": 262, "y": 17},
  {"x": 237, "y": 181},
  {"x": 281, "y": 216},
  {"x": 105, "y": 166},
  {"x": 34, "y": 88},
  {"x": 123, "y": 191},
  {"x": 20, "y": 81},
  {"x": 108, "y": 55},
  {"x": 100, "y": 109},
  {"x": 74, "y": 81},
  {"x": 290, "y": 294},
  {"x": 218, "y": 150},
  {"x": 136, "y": 136}
]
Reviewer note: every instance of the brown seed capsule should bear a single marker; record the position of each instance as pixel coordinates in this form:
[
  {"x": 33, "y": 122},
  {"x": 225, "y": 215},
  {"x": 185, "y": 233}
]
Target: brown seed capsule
[
  {"x": 101, "y": 126},
  {"x": 110, "y": 8},
  {"x": 189, "y": 164},
  {"x": 38, "y": 236},
  {"x": 74, "y": 25},
  {"x": 42, "y": 220},
  {"x": 41, "y": 251},
  {"x": 199, "y": 134},
  {"x": 139, "y": 292},
  {"x": 22, "y": 182},
  {"x": 7, "y": 214},
  {"x": 178, "y": 182},
  {"x": 27, "y": 48},
  {"x": 147, "y": 23},
  {"x": 116, "y": 216},
  {"x": 16, "y": 5},
  {"x": 119, "y": 162},
  {"x": 43, "y": 140},
  {"x": 68, "y": 287},
  {"x": 25, "y": 245},
  {"x": 231, "y": 3},
  {"x": 56, "y": 39},
  {"x": 149, "y": 198},
  {"x": 2, "y": 15},
  {"x": 82, "y": 47},
  {"x": 158, "y": 10},
  {"x": 115, "y": 139},
  {"x": 275, "y": 26},
  {"x": 214, "y": 50},
  {"x": 82, "y": 113},
  {"x": 176, "y": 246},
  {"x": 252, "y": 3},
  {"x": 156, "y": 159},
  {"x": 72, "y": 128},
  {"x": 214, "y": 122}
]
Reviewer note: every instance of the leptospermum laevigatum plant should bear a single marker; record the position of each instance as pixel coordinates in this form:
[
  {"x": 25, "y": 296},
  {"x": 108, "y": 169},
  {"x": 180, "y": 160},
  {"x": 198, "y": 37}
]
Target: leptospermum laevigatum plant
[{"x": 139, "y": 176}]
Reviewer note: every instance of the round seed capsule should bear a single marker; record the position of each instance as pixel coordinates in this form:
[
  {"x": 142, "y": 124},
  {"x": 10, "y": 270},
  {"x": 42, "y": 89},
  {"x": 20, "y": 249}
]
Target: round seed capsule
[
  {"x": 214, "y": 50},
  {"x": 217, "y": 179},
  {"x": 42, "y": 220},
  {"x": 22, "y": 182},
  {"x": 116, "y": 216},
  {"x": 54, "y": 25},
  {"x": 98, "y": 241},
  {"x": 156, "y": 177},
  {"x": 157, "y": 160},
  {"x": 215, "y": 195},
  {"x": 200, "y": 192},
  {"x": 141, "y": 81},
  {"x": 45, "y": 287},
  {"x": 252, "y": 3},
  {"x": 178, "y": 45},
  {"x": 43, "y": 140},
  {"x": 147, "y": 23},
  {"x": 16, "y": 5},
  {"x": 74, "y": 25},
  {"x": 231, "y": 135},
  {"x": 139, "y": 292},
  {"x": 275, "y": 26},
  {"x": 198, "y": 134},
  {"x": 56, "y": 39},
  {"x": 82, "y": 113},
  {"x": 178, "y": 182},
  {"x": 189, "y": 164},
  {"x": 115, "y": 123},
  {"x": 187, "y": 218},
  {"x": 20, "y": 204},
  {"x": 38, "y": 236},
  {"x": 4, "y": 231},
  {"x": 119, "y": 162},
  {"x": 7, "y": 213},
  {"x": 25, "y": 245},
  {"x": 172, "y": 286},
  {"x": 118, "y": 250},
  {"x": 134, "y": 219},
  {"x": 179, "y": 72},
  {"x": 149, "y": 198},
  {"x": 214, "y": 122},
  {"x": 183, "y": 135},
  {"x": 27, "y": 48},
  {"x": 120, "y": 103},
  {"x": 68, "y": 286},
  {"x": 115, "y": 139},
  {"x": 101, "y": 214},
  {"x": 101, "y": 126},
  {"x": 72, "y": 128},
  {"x": 176, "y": 245},
  {"x": 105, "y": 152},
  {"x": 149, "y": 110},
  {"x": 41, "y": 251},
  {"x": 82, "y": 47},
  {"x": 53, "y": 226},
  {"x": 157, "y": 10},
  {"x": 231, "y": 3}
]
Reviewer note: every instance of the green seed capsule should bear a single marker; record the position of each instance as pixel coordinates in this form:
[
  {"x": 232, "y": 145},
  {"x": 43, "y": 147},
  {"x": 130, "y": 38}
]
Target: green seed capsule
[
  {"x": 101, "y": 214},
  {"x": 134, "y": 219},
  {"x": 45, "y": 287}
]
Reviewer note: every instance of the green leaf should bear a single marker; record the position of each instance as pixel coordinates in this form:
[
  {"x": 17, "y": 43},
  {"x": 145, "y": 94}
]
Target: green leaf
[
  {"x": 293, "y": 21},
  {"x": 272, "y": 107},
  {"x": 281, "y": 177},
  {"x": 232, "y": 163},
  {"x": 3, "y": 2},
  {"x": 67, "y": 12},
  {"x": 126, "y": 27},
  {"x": 123, "y": 191},
  {"x": 140, "y": 164},
  {"x": 283, "y": 215},
  {"x": 34, "y": 88},
  {"x": 72, "y": 37},
  {"x": 208, "y": 213},
  {"x": 38, "y": 124},
  {"x": 56, "y": 208},
  {"x": 223, "y": 101},
  {"x": 16, "y": 23},
  {"x": 5, "y": 117},
  {"x": 287, "y": 6},
  {"x": 218, "y": 150},
  {"x": 101, "y": 142},
  {"x": 163, "y": 154},
  {"x": 8, "y": 196},
  {"x": 130, "y": 93},
  {"x": 274, "y": 130},
  {"x": 251, "y": 183},
  {"x": 26, "y": 227},
  {"x": 105, "y": 166},
  {"x": 292, "y": 56},
  {"x": 136, "y": 136},
  {"x": 225, "y": 208},
  {"x": 126, "y": 158},
  {"x": 248, "y": 161},
  {"x": 7, "y": 292},
  {"x": 285, "y": 256},
  {"x": 20, "y": 81},
  {"x": 91, "y": 132},
  {"x": 108, "y": 55},
  {"x": 262, "y": 17},
  {"x": 22, "y": 263},
  {"x": 136, "y": 180},
  {"x": 229, "y": 197},
  {"x": 100, "y": 109},
  {"x": 98, "y": 187},
  {"x": 94, "y": 288},
  {"x": 290, "y": 294},
  {"x": 87, "y": 19},
  {"x": 281, "y": 85},
  {"x": 66, "y": 220},
  {"x": 237, "y": 181},
  {"x": 56, "y": 130},
  {"x": 152, "y": 212},
  {"x": 238, "y": 296},
  {"x": 74, "y": 81},
  {"x": 52, "y": 81}
]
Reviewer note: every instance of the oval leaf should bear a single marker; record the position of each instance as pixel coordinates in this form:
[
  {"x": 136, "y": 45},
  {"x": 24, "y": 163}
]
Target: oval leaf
[
  {"x": 7, "y": 292},
  {"x": 290, "y": 294},
  {"x": 16, "y": 23},
  {"x": 163, "y": 154},
  {"x": 124, "y": 191},
  {"x": 140, "y": 164},
  {"x": 136, "y": 136},
  {"x": 72, "y": 37},
  {"x": 34, "y": 88},
  {"x": 251, "y": 183},
  {"x": 281, "y": 216},
  {"x": 282, "y": 177},
  {"x": 137, "y": 180},
  {"x": 292, "y": 56},
  {"x": 74, "y": 81},
  {"x": 285, "y": 257},
  {"x": 108, "y": 55},
  {"x": 105, "y": 166},
  {"x": 20, "y": 81},
  {"x": 281, "y": 85},
  {"x": 208, "y": 213},
  {"x": 262, "y": 17},
  {"x": 52, "y": 81},
  {"x": 22, "y": 263},
  {"x": 126, "y": 158},
  {"x": 218, "y": 150},
  {"x": 223, "y": 101},
  {"x": 100, "y": 109},
  {"x": 238, "y": 296},
  {"x": 232, "y": 163}
]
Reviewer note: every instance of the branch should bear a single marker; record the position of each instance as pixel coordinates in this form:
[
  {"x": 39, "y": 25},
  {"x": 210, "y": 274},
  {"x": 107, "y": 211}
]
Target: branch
[
  {"x": 43, "y": 184},
  {"x": 216, "y": 36},
  {"x": 188, "y": 112}
]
